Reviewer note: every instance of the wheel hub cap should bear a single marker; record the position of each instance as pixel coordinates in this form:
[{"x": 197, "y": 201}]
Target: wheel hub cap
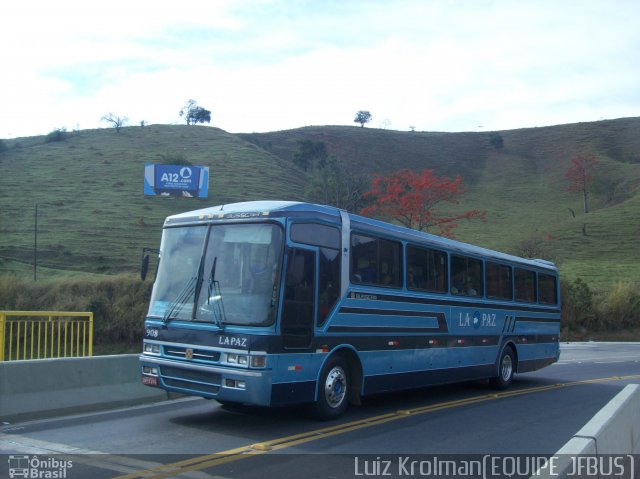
[{"x": 334, "y": 388}]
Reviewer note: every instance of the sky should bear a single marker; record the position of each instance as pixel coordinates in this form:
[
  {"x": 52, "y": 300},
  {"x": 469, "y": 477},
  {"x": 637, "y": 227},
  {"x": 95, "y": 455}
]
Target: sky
[{"x": 268, "y": 65}]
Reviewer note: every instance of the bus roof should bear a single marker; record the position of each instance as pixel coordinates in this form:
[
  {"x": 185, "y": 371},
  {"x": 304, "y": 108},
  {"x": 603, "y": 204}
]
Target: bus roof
[
  {"x": 254, "y": 209},
  {"x": 243, "y": 207}
]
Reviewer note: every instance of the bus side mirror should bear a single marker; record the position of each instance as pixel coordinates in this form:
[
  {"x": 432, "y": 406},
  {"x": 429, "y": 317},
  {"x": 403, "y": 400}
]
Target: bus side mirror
[{"x": 144, "y": 267}]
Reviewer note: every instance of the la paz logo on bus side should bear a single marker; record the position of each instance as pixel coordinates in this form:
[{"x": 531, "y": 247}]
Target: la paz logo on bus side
[{"x": 465, "y": 320}]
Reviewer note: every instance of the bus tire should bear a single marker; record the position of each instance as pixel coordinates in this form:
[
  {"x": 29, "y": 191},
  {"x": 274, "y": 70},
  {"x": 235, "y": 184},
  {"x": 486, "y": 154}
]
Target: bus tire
[
  {"x": 506, "y": 368},
  {"x": 333, "y": 389}
]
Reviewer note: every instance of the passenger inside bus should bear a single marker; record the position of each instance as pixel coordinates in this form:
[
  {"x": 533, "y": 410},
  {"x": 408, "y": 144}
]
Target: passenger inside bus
[
  {"x": 463, "y": 285},
  {"x": 366, "y": 272}
]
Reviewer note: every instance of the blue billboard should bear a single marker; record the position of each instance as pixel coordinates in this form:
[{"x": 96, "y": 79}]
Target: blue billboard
[{"x": 176, "y": 180}]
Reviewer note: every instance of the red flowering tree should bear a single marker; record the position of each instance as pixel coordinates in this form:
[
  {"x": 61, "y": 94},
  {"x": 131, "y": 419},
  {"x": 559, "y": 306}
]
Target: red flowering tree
[
  {"x": 414, "y": 200},
  {"x": 580, "y": 175}
]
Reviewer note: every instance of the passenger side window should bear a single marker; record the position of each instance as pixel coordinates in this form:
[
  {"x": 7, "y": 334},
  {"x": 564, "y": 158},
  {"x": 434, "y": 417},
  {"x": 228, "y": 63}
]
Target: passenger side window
[
  {"x": 525, "y": 282},
  {"x": 376, "y": 261},
  {"x": 426, "y": 269},
  {"x": 498, "y": 281},
  {"x": 466, "y": 276},
  {"x": 547, "y": 289}
]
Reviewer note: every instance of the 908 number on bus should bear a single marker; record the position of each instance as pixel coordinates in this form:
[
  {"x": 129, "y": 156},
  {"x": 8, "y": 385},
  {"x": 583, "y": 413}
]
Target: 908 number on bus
[{"x": 151, "y": 333}]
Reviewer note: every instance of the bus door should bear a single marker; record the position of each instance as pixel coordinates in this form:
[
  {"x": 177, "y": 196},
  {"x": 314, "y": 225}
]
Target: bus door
[{"x": 299, "y": 305}]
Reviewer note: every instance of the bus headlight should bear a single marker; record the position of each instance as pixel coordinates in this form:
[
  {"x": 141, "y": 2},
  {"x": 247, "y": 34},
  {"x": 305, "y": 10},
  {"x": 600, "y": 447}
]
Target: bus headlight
[
  {"x": 151, "y": 348},
  {"x": 247, "y": 360},
  {"x": 239, "y": 359}
]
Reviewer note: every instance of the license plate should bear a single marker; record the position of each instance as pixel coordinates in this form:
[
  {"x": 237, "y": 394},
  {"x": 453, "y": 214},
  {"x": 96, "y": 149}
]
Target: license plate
[{"x": 150, "y": 380}]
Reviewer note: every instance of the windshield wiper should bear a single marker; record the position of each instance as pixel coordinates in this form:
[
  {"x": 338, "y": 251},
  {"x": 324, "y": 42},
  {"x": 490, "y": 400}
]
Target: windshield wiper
[
  {"x": 177, "y": 304},
  {"x": 214, "y": 287},
  {"x": 199, "y": 281},
  {"x": 212, "y": 278}
]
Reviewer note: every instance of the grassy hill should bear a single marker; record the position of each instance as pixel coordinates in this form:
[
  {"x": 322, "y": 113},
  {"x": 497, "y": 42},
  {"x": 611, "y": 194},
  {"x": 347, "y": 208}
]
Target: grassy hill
[
  {"x": 94, "y": 217},
  {"x": 521, "y": 186}
]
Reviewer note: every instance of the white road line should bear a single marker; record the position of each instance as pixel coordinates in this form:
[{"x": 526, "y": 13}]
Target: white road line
[
  {"x": 622, "y": 359},
  {"x": 604, "y": 361}
]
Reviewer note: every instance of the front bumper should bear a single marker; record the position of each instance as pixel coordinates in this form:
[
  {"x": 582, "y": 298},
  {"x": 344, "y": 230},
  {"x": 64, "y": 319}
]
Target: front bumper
[{"x": 215, "y": 382}]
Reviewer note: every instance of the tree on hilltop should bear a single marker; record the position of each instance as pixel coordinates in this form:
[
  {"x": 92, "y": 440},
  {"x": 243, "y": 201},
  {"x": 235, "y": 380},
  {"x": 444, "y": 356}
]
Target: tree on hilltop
[
  {"x": 116, "y": 121},
  {"x": 194, "y": 114},
  {"x": 414, "y": 200},
  {"x": 362, "y": 117},
  {"x": 580, "y": 176}
]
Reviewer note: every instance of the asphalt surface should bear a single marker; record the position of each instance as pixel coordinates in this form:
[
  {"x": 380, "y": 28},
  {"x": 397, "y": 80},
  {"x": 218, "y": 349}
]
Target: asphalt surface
[{"x": 198, "y": 438}]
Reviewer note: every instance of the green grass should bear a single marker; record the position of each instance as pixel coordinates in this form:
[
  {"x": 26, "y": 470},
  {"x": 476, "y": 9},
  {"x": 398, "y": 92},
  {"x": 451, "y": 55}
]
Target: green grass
[
  {"x": 18, "y": 269},
  {"x": 522, "y": 186},
  {"x": 95, "y": 219},
  {"x": 523, "y": 203},
  {"x": 93, "y": 215}
]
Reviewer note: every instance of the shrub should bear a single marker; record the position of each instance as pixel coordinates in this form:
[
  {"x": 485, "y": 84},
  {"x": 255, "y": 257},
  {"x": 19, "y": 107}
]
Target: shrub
[
  {"x": 175, "y": 159},
  {"x": 496, "y": 141},
  {"x": 58, "y": 134},
  {"x": 585, "y": 310},
  {"x": 620, "y": 307},
  {"x": 577, "y": 305},
  {"x": 119, "y": 303},
  {"x": 530, "y": 248}
]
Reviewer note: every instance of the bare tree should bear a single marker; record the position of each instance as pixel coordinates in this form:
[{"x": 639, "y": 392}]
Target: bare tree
[
  {"x": 332, "y": 184},
  {"x": 116, "y": 121},
  {"x": 580, "y": 176}
]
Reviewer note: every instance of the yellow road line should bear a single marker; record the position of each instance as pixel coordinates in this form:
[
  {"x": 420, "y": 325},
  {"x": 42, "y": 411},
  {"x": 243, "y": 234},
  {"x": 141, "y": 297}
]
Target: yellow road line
[{"x": 230, "y": 455}]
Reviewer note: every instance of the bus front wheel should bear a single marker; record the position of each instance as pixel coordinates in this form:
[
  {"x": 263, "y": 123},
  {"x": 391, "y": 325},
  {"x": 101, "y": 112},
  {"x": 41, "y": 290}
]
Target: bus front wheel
[
  {"x": 333, "y": 389},
  {"x": 506, "y": 368}
]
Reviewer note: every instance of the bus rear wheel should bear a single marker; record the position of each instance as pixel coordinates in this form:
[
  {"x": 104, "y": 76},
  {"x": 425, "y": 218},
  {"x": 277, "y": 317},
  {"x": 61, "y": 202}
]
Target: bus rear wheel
[
  {"x": 333, "y": 389},
  {"x": 506, "y": 368}
]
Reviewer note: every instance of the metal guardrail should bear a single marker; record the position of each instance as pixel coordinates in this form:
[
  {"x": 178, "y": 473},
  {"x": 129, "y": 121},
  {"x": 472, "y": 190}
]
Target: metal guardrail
[{"x": 52, "y": 334}]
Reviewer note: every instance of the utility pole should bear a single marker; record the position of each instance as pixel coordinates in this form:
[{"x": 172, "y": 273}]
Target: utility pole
[{"x": 35, "y": 244}]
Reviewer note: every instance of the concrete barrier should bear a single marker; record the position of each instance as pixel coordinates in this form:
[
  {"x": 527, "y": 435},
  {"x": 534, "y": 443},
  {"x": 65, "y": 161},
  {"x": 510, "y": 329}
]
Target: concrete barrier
[
  {"x": 47, "y": 387},
  {"x": 615, "y": 430}
]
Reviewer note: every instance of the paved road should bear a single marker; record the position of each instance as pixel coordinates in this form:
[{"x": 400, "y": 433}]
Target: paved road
[{"x": 198, "y": 438}]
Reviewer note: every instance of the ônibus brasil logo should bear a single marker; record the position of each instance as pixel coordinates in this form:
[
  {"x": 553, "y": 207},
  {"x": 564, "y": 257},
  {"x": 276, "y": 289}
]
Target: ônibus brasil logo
[{"x": 37, "y": 468}]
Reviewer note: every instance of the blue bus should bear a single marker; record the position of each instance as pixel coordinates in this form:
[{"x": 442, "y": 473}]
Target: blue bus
[{"x": 275, "y": 303}]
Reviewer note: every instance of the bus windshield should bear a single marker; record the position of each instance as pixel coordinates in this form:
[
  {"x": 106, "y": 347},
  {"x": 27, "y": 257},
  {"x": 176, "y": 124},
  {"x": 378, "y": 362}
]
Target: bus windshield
[{"x": 220, "y": 274}]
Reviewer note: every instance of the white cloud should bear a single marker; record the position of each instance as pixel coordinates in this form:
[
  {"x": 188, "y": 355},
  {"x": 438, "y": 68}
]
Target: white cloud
[{"x": 263, "y": 65}]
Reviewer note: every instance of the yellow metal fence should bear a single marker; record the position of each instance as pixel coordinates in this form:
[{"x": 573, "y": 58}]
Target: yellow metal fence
[{"x": 45, "y": 334}]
